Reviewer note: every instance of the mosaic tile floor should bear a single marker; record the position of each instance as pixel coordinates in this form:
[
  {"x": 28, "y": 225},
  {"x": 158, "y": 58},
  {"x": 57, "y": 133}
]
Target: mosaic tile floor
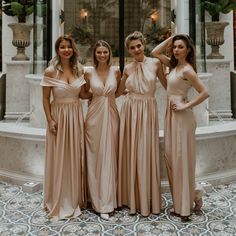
[{"x": 21, "y": 214}]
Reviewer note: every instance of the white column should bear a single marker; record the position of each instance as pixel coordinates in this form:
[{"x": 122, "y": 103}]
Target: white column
[
  {"x": 57, "y": 27},
  {"x": 182, "y": 16}
]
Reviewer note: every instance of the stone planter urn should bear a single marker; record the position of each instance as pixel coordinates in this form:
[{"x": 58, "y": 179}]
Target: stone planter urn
[
  {"x": 215, "y": 37},
  {"x": 21, "y": 39}
]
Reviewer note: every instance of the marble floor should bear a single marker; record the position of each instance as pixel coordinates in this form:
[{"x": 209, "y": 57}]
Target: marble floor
[{"x": 21, "y": 214}]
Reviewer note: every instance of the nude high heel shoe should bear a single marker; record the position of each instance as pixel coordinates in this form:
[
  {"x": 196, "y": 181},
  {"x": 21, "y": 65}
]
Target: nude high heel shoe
[{"x": 104, "y": 216}]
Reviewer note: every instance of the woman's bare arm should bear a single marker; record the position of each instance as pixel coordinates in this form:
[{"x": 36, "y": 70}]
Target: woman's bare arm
[
  {"x": 203, "y": 94},
  {"x": 160, "y": 49},
  {"x": 121, "y": 87},
  {"x": 118, "y": 79},
  {"x": 84, "y": 92},
  {"x": 46, "y": 102},
  {"x": 160, "y": 74}
]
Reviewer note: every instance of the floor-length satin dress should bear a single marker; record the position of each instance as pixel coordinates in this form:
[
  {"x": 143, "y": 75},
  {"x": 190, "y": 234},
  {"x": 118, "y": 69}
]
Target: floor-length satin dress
[
  {"x": 65, "y": 170},
  {"x": 139, "y": 185},
  {"x": 180, "y": 145},
  {"x": 101, "y": 135}
]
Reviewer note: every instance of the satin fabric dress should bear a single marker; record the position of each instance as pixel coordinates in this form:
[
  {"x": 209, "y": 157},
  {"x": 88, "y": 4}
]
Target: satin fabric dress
[
  {"x": 139, "y": 185},
  {"x": 180, "y": 145},
  {"x": 65, "y": 170},
  {"x": 101, "y": 135}
]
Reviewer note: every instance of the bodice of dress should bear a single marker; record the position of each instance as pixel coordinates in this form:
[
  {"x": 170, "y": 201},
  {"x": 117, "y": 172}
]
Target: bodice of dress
[
  {"x": 99, "y": 88},
  {"x": 62, "y": 89},
  {"x": 142, "y": 77},
  {"x": 177, "y": 85}
]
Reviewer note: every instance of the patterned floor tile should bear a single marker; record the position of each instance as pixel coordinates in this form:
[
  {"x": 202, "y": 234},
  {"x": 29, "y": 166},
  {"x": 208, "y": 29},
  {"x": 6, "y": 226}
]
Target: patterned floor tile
[{"x": 22, "y": 214}]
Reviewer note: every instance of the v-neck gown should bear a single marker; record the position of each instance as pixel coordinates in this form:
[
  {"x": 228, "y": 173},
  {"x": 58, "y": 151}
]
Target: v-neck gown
[
  {"x": 65, "y": 176},
  {"x": 180, "y": 145},
  {"x": 101, "y": 135},
  {"x": 139, "y": 168}
]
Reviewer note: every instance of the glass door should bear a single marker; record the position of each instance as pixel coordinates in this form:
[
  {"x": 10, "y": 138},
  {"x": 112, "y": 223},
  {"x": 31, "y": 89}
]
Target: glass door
[
  {"x": 111, "y": 20},
  {"x": 41, "y": 36},
  {"x": 199, "y": 33},
  {"x": 90, "y": 20},
  {"x": 151, "y": 17},
  {"x": 1, "y": 38}
]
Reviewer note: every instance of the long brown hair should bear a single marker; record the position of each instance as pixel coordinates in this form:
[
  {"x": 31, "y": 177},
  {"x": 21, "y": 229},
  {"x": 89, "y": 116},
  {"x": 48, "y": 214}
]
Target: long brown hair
[
  {"x": 191, "y": 56},
  {"x": 74, "y": 60},
  {"x": 105, "y": 44}
]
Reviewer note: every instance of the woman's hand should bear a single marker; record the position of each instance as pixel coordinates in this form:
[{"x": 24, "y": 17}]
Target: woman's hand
[
  {"x": 52, "y": 126},
  {"x": 179, "y": 106}
]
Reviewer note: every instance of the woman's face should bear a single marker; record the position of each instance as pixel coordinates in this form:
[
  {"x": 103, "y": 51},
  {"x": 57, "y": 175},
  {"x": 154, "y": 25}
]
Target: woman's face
[
  {"x": 102, "y": 54},
  {"x": 136, "y": 49},
  {"x": 180, "y": 50},
  {"x": 65, "y": 50}
]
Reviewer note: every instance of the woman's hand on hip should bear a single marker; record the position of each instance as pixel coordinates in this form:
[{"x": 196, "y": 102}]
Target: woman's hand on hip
[{"x": 179, "y": 106}]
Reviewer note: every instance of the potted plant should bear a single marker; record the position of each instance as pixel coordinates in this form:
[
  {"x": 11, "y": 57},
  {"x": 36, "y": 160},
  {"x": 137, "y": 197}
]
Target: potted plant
[
  {"x": 215, "y": 7},
  {"x": 21, "y": 30},
  {"x": 19, "y": 8},
  {"x": 215, "y": 29}
]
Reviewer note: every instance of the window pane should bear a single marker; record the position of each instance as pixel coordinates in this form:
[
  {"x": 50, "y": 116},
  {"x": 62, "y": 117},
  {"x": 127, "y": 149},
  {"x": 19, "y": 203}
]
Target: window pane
[
  {"x": 200, "y": 37},
  {"x": 40, "y": 42},
  {"x": 91, "y": 20},
  {"x": 152, "y": 17},
  {"x": 1, "y": 40}
]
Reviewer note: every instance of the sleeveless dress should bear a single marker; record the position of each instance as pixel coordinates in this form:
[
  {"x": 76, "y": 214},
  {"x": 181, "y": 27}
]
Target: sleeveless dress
[
  {"x": 139, "y": 185},
  {"x": 180, "y": 145},
  {"x": 65, "y": 176},
  {"x": 101, "y": 135}
]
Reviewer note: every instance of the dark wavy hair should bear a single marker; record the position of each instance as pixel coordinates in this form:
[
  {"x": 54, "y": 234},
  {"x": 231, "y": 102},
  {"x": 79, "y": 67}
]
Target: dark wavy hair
[
  {"x": 74, "y": 60},
  {"x": 191, "y": 56},
  {"x": 105, "y": 44}
]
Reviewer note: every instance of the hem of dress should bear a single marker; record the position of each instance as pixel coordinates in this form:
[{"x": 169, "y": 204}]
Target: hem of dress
[
  {"x": 135, "y": 211},
  {"x": 185, "y": 215},
  {"x": 76, "y": 213},
  {"x": 105, "y": 211}
]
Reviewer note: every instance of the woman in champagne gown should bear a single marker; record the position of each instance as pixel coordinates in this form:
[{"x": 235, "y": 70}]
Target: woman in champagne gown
[
  {"x": 65, "y": 179},
  {"x": 180, "y": 122},
  {"x": 101, "y": 131},
  {"x": 139, "y": 185}
]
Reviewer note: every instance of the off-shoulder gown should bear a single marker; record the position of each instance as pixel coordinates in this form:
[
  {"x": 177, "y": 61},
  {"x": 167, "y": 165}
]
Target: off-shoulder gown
[{"x": 65, "y": 170}]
